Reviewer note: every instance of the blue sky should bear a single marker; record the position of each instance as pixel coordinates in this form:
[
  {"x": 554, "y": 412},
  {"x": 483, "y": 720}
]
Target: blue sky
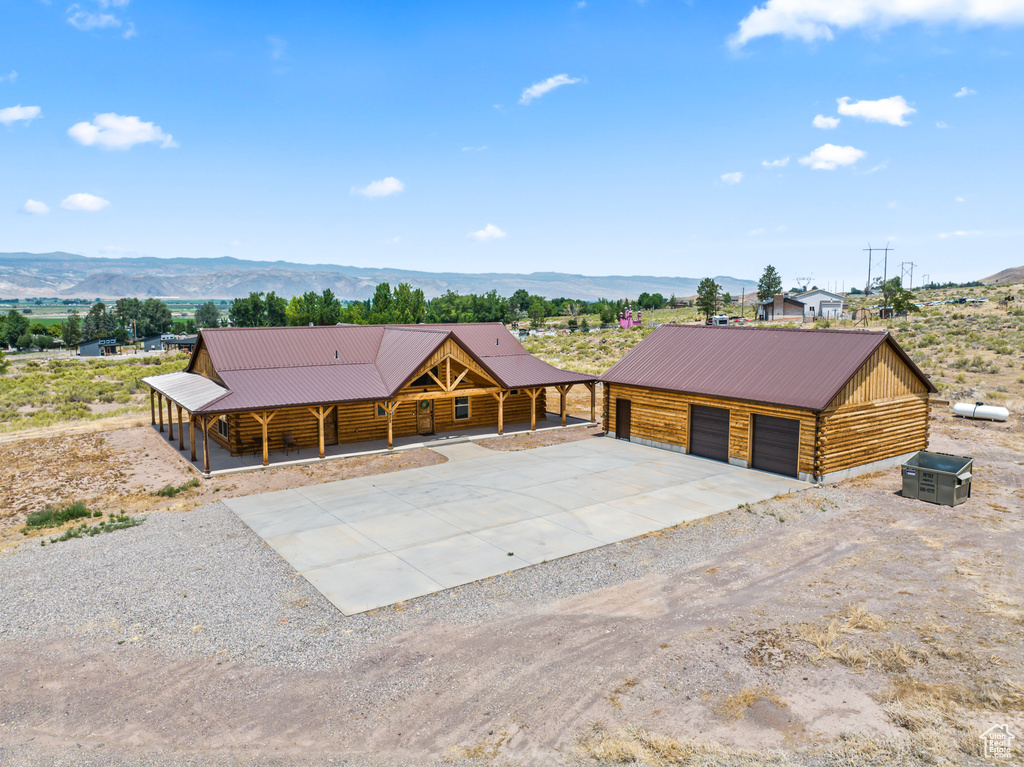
[{"x": 606, "y": 137}]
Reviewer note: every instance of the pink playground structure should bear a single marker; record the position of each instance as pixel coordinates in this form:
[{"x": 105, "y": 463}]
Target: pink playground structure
[{"x": 627, "y": 320}]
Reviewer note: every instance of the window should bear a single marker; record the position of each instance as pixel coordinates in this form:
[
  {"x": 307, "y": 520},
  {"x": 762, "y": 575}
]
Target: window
[
  {"x": 222, "y": 426},
  {"x": 425, "y": 379},
  {"x": 514, "y": 392},
  {"x": 381, "y": 412},
  {"x": 461, "y": 408}
]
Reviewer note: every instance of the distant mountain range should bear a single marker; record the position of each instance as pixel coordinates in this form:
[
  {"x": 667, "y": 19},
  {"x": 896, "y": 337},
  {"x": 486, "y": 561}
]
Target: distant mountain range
[{"x": 66, "y": 275}]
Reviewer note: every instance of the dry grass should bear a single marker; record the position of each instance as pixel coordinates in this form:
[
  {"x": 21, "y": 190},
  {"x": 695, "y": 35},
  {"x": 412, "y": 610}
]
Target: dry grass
[
  {"x": 635, "y": 745},
  {"x": 829, "y": 644},
  {"x": 734, "y": 706}
]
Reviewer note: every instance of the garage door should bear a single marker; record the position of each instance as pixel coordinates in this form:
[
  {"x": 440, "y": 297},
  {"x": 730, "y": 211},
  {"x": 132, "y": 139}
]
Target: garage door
[
  {"x": 709, "y": 432},
  {"x": 776, "y": 445}
]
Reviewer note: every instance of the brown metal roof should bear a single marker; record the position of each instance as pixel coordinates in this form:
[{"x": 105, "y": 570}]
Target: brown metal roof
[
  {"x": 295, "y": 366},
  {"x": 795, "y": 367}
]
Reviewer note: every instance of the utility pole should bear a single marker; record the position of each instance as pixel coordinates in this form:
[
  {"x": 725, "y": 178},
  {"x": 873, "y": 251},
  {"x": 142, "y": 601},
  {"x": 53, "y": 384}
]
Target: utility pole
[
  {"x": 907, "y": 268},
  {"x": 885, "y": 264}
]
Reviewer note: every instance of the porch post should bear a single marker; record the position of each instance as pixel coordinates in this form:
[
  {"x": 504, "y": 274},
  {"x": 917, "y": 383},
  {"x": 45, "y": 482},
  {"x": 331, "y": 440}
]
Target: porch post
[
  {"x": 563, "y": 390},
  {"x": 592, "y": 385},
  {"x": 320, "y": 422},
  {"x": 501, "y": 396},
  {"x": 170, "y": 422},
  {"x": 152, "y": 411},
  {"x": 160, "y": 409},
  {"x": 181, "y": 431},
  {"x": 206, "y": 446},
  {"x": 390, "y": 407},
  {"x": 533, "y": 407},
  {"x": 192, "y": 434},
  {"x": 266, "y": 451}
]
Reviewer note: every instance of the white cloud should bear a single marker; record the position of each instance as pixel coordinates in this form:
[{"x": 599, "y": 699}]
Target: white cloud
[
  {"x": 537, "y": 90},
  {"x": 382, "y": 188},
  {"x": 35, "y": 207},
  {"x": 11, "y": 115},
  {"x": 115, "y": 3},
  {"x": 825, "y": 123},
  {"x": 830, "y": 156},
  {"x": 129, "y": 31},
  {"x": 278, "y": 48},
  {"x": 732, "y": 178},
  {"x": 958, "y": 233},
  {"x": 474, "y": 148},
  {"x": 893, "y": 204},
  {"x": 489, "y": 232},
  {"x": 959, "y": 199},
  {"x": 881, "y": 166},
  {"x": 965, "y": 91},
  {"x": 84, "y": 20},
  {"x": 9, "y": 78},
  {"x": 84, "y": 201},
  {"x": 756, "y": 232},
  {"x": 941, "y": 125},
  {"x": 891, "y": 110},
  {"x": 810, "y": 20},
  {"x": 114, "y": 131},
  {"x": 776, "y": 163},
  {"x": 393, "y": 241}
]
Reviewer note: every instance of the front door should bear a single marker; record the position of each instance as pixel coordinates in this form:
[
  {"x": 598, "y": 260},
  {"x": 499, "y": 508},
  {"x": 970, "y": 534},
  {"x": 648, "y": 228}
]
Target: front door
[
  {"x": 331, "y": 428},
  {"x": 623, "y": 415},
  {"x": 425, "y": 416}
]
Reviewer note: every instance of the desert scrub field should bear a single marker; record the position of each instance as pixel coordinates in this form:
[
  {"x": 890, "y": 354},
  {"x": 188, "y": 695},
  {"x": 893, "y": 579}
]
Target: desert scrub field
[
  {"x": 590, "y": 353},
  {"x": 44, "y": 392}
]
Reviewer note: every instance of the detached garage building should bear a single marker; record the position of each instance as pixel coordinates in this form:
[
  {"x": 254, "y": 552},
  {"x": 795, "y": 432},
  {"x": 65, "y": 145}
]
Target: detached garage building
[{"x": 813, "y": 404}]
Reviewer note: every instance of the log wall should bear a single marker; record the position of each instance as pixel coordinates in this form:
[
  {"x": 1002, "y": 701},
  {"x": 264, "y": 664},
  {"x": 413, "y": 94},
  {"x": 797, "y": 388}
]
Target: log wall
[
  {"x": 663, "y": 416},
  {"x": 358, "y": 422},
  {"x": 881, "y": 413}
]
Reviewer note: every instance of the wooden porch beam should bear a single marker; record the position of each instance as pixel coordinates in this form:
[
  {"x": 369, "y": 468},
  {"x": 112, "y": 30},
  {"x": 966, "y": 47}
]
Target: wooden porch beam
[
  {"x": 417, "y": 396},
  {"x": 192, "y": 434},
  {"x": 320, "y": 414},
  {"x": 170, "y": 422},
  {"x": 160, "y": 409},
  {"x": 533, "y": 407},
  {"x": 563, "y": 391},
  {"x": 501, "y": 396},
  {"x": 206, "y": 445},
  {"x": 152, "y": 411},
  {"x": 592, "y": 386},
  {"x": 455, "y": 384},
  {"x": 181, "y": 432}
]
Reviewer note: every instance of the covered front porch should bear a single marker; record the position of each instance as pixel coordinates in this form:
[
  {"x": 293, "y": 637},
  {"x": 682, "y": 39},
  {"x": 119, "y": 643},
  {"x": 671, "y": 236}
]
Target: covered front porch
[
  {"x": 190, "y": 431},
  {"x": 210, "y": 459}
]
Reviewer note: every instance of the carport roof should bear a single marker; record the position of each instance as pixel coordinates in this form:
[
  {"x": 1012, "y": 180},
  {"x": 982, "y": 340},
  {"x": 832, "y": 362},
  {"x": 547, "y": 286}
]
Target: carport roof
[
  {"x": 192, "y": 392},
  {"x": 296, "y": 366},
  {"x": 801, "y": 368}
]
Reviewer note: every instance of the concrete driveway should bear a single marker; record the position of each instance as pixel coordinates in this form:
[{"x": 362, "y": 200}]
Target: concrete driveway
[{"x": 369, "y": 542}]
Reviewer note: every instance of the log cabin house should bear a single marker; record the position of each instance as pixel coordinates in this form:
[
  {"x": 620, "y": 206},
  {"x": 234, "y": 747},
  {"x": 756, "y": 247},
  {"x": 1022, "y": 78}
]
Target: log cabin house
[
  {"x": 252, "y": 390},
  {"x": 813, "y": 404}
]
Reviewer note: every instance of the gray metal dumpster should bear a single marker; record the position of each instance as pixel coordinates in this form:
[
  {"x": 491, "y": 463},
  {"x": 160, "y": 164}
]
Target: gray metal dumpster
[{"x": 938, "y": 477}]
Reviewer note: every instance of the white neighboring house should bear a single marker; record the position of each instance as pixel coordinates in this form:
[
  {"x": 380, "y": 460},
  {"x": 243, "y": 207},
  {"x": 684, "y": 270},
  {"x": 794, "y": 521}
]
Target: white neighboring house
[{"x": 821, "y": 303}]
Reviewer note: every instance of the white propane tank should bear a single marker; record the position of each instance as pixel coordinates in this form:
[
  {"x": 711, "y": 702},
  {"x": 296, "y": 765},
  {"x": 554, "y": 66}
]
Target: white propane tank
[{"x": 981, "y": 410}]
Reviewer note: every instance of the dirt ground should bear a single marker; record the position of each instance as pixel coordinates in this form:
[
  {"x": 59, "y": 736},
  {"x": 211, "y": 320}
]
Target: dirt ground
[
  {"x": 121, "y": 469},
  {"x": 862, "y": 628},
  {"x": 117, "y": 464}
]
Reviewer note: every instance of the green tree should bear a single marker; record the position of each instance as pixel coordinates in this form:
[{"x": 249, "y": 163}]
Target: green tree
[
  {"x": 382, "y": 309},
  {"x": 208, "y": 315},
  {"x": 769, "y": 285},
  {"x": 15, "y": 326},
  {"x": 43, "y": 341},
  {"x": 537, "y": 312},
  {"x": 520, "y": 300},
  {"x": 127, "y": 312},
  {"x": 25, "y": 341},
  {"x": 275, "y": 310},
  {"x": 72, "y": 330},
  {"x": 4, "y": 363},
  {"x": 154, "y": 317},
  {"x": 726, "y": 299},
  {"x": 897, "y": 298},
  {"x": 707, "y": 297},
  {"x": 98, "y": 323}
]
